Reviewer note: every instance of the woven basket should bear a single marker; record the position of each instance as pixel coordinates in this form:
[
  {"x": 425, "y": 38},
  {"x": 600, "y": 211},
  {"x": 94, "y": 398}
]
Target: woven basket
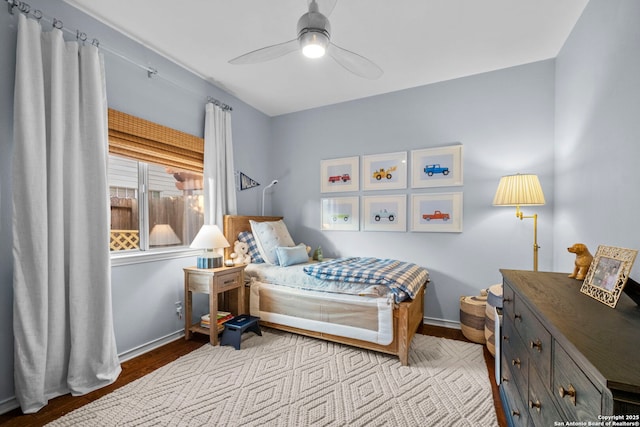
[
  {"x": 472, "y": 317},
  {"x": 494, "y": 299}
]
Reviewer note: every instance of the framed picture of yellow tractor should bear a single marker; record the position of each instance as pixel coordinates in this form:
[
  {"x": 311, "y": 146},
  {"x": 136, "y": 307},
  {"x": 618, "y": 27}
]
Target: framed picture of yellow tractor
[{"x": 384, "y": 171}]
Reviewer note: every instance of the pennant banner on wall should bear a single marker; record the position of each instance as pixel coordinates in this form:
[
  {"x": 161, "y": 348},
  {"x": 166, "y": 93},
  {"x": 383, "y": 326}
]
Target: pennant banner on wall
[{"x": 246, "y": 182}]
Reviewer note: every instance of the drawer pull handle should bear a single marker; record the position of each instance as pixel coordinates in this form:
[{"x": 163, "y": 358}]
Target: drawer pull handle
[
  {"x": 535, "y": 404},
  {"x": 518, "y": 316},
  {"x": 505, "y": 379},
  {"x": 505, "y": 338},
  {"x": 515, "y": 413},
  {"x": 226, "y": 282},
  {"x": 537, "y": 345},
  {"x": 506, "y": 300},
  {"x": 571, "y": 392},
  {"x": 516, "y": 362}
]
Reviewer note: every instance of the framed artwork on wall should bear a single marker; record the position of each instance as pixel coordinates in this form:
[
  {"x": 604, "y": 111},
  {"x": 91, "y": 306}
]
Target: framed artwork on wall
[
  {"x": 436, "y": 167},
  {"x": 608, "y": 274},
  {"x": 339, "y": 174},
  {"x": 341, "y": 213},
  {"x": 384, "y": 213},
  {"x": 436, "y": 212},
  {"x": 384, "y": 171}
]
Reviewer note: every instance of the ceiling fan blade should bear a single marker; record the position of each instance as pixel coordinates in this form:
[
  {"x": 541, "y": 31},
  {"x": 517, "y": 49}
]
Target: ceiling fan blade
[
  {"x": 325, "y": 7},
  {"x": 357, "y": 64},
  {"x": 267, "y": 53}
]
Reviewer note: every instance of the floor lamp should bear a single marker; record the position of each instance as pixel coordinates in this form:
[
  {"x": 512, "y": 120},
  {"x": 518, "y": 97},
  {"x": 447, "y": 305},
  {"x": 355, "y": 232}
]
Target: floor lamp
[{"x": 522, "y": 190}]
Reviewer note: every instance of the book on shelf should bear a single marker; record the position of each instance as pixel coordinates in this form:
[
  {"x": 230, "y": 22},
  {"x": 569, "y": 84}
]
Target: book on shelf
[{"x": 221, "y": 318}]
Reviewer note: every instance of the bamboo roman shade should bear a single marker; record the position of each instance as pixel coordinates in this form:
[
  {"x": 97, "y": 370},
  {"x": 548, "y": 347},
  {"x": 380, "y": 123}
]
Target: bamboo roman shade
[{"x": 146, "y": 141}]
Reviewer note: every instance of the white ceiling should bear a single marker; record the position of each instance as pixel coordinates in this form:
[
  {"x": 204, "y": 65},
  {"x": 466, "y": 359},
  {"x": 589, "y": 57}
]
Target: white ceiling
[{"x": 415, "y": 42}]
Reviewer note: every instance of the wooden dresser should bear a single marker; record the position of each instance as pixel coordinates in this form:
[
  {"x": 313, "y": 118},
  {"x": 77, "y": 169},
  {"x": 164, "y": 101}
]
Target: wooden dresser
[{"x": 565, "y": 356}]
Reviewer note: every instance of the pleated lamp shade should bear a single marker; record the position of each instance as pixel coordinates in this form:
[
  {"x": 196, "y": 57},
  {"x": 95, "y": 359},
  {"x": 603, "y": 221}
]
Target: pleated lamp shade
[{"x": 519, "y": 190}]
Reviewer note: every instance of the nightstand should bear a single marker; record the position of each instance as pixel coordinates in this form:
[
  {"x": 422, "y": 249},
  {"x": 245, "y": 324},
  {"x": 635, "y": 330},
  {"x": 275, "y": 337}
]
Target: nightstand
[{"x": 212, "y": 281}]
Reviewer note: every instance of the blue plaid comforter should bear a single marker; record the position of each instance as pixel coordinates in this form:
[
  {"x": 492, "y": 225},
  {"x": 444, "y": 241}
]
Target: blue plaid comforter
[{"x": 402, "y": 278}]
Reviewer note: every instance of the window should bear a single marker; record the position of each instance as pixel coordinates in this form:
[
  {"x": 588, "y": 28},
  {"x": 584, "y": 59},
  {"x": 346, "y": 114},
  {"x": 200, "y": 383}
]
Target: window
[{"x": 156, "y": 189}]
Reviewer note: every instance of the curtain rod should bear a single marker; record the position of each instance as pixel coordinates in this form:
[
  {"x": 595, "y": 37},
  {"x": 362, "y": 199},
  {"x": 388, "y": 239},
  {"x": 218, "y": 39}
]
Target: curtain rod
[{"x": 25, "y": 8}]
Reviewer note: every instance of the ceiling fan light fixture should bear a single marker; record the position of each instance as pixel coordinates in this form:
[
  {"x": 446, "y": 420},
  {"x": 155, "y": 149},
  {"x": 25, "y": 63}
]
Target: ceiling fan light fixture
[{"x": 314, "y": 44}]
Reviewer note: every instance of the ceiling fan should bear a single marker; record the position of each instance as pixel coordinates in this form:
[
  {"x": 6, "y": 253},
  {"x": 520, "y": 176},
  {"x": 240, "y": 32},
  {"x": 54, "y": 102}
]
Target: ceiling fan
[{"x": 314, "y": 38}]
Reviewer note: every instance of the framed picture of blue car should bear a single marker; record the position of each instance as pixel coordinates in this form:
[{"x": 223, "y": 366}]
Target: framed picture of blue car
[
  {"x": 436, "y": 212},
  {"x": 436, "y": 167},
  {"x": 341, "y": 213},
  {"x": 384, "y": 213}
]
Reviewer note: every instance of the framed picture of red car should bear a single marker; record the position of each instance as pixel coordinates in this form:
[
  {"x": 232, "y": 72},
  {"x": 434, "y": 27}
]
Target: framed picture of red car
[
  {"x": 338, "y": 175},
  {"x": 384, "y": 213},
  {"x": 436, "y": 167},
  {"x": 436, "y": 212}
]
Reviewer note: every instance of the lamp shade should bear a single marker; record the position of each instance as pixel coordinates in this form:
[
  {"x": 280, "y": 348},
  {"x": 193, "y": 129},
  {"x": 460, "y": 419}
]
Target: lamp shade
[
  {"x": 163, "y": 235},
  {"x": 519, "y": 190},
  {"x": 209, "y": 237}
]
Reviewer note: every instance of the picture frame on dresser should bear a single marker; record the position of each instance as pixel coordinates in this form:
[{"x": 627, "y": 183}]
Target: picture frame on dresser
[{"x": 608, "y": 274}]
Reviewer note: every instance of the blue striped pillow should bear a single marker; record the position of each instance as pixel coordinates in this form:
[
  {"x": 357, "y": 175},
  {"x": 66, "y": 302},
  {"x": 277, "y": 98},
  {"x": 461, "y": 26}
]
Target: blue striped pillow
[{"x": 254, "y": 253}]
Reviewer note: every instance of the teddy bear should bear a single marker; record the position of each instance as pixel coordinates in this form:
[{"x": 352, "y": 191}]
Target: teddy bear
[
  {"x": 583, "y": 261},
  {"x": 240, "y": 253}
]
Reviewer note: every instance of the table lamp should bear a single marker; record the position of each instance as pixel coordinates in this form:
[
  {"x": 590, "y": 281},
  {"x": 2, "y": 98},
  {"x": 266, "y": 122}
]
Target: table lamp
[
  {"x": 209, "y": 238},
  {"x": 522, "y": 190}
]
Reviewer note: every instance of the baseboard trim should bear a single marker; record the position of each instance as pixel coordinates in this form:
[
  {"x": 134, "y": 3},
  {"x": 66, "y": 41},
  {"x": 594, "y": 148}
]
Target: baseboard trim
[
  {"x": 11, "y": 403},
  {"x": 441, "y": 322},
  {"x": 8, "y": 405},
  {"x": 151, "y": 345}
]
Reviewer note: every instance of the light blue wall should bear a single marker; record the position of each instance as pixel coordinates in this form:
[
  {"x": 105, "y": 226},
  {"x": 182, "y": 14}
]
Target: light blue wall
[
  {"x": 144, "y": 295},
  {"x": 598, "y": 132},
  {"x": 504, "y": 119}
]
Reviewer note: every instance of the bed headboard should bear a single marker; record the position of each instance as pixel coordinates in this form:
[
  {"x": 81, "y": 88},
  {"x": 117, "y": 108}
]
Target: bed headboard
[{"x": 234, "y": 224}]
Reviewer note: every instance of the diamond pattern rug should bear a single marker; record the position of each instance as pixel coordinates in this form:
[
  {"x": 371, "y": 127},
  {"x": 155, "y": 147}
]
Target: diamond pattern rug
[{"x": 282, "y": 379}]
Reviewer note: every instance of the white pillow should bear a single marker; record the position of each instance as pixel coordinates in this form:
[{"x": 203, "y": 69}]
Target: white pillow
[
  {"x": 292, "y": 255},
  {"x": 269, "y": 235}
]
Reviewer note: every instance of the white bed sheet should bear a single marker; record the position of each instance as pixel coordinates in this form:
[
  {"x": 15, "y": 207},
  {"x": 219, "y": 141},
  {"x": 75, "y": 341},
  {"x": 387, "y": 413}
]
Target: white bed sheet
[{"x": 288, "y": 296}]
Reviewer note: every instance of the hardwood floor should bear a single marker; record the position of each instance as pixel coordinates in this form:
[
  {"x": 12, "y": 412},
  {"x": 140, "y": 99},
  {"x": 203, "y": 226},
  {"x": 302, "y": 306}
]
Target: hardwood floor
[{"x": 148, "y": 362}]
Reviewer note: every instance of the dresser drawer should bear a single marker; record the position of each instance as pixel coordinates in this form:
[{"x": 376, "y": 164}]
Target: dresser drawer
[
  {"x": 199, "y": 283},
  {"x": 515, "y": 405},
  {"x": 536, "y": 339},
  {"x": 228, "y": 280},
  {"x": 575, "y": 393},
  {"x": 515, "y": 356},
  {"x": 507, "y": 301},
  {"x": 542, "y": 410}
]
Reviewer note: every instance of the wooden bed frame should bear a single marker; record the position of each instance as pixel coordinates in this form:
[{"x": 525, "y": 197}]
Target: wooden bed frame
[{"x": 407, "y": 316}]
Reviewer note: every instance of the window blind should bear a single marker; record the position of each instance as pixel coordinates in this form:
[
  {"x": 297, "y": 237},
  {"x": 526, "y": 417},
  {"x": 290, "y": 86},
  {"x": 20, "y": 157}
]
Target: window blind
[{"x": 140, "y": 139}]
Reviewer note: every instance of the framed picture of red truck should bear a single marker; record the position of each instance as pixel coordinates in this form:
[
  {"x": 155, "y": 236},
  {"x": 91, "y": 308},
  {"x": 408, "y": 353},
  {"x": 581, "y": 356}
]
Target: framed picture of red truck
[
  {"x": 436, "y": 212},
  {"x": 436, "y": 167},
  {"x": 340, "y": 174}
]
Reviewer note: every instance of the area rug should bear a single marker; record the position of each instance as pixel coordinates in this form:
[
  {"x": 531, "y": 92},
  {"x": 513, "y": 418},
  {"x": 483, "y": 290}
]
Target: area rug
[{"x": 282, "y": 379}]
